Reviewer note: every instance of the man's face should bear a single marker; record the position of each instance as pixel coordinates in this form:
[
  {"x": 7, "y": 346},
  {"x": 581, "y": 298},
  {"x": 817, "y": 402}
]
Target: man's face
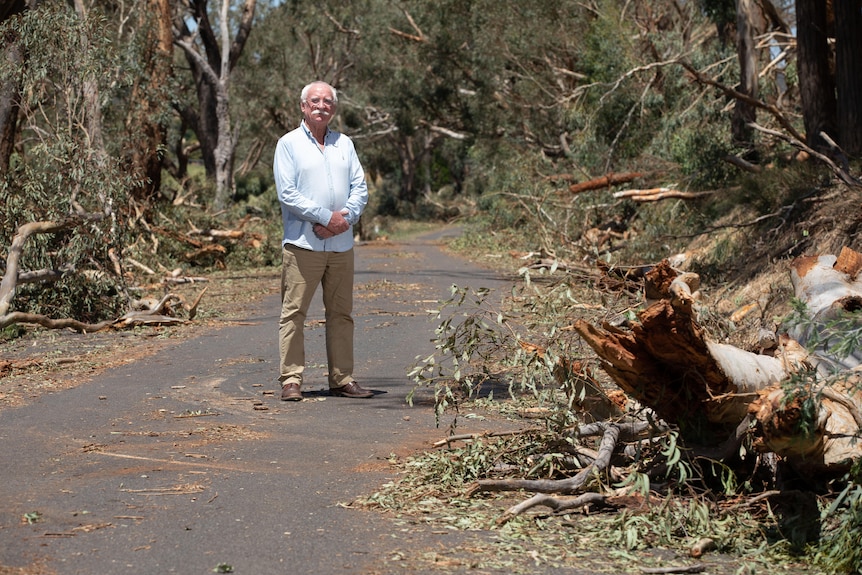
[{"x": 318, "y": 107}]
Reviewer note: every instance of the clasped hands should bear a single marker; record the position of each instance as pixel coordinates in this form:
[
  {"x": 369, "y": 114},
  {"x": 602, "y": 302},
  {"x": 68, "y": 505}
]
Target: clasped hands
[{"x": 337, "y": 225}]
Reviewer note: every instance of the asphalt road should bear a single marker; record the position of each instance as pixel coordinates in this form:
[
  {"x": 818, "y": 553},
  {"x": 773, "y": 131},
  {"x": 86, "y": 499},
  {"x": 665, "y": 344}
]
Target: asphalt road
[{"x": 187, "y": 461}]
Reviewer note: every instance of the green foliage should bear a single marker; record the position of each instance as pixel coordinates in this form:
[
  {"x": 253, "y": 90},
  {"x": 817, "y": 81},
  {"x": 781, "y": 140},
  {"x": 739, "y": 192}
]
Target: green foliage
[
  {"x": 839, "y": 550},
  {"x": 12, "y": 332},
  {"x": 61, "y": 174},
  {"x": 700, "y": 152},
  {"x": 837, "y": 334},
  {"x": 721, "y": 12},
  {"x": 463, "y": 340}
]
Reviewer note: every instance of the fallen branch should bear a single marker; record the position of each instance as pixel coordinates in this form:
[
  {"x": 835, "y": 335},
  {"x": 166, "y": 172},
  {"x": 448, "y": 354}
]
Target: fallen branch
[
  {"x": 156, "y": 314},
  {"x": 604, "y": 182},
  {"x": 46, "y": 275},
  {"x": 742, "y": 164},
  {"x": 566, "y": 486},
  {"x": 210, "y": 233},
  {"x": 17, "y": 317},
  {"x": 796, "y": 141},
  {"x": 474, "y": 436},
  {"x": 655, "y": 194},
  {"x": 193, "y": 309},
  {"x": 10, "y": 278},
  {"x": 146, "y": 269},
  {"x": 185, "y": 280},
  {"x": 557, "y": 504}
]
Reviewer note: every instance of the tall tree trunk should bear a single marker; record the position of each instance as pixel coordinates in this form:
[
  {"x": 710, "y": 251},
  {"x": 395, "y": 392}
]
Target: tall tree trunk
[
  {"x": 10, "y": 91},
  {"x": 226, "y": 147},
  {"x": 816, "y": 84},
  {"x": 147, "y": 133},
  {"x": 204, "y": 120},
  {"x": 404, "y": 146},
  {"x": 749, "y": 22},
  {"x": 848, "y": 73},
  {"x": 90, "y": 89}
]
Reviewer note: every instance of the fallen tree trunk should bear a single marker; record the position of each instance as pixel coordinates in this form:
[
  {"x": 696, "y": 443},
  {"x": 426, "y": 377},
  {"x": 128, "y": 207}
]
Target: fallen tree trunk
[
  {"x": 160, "y": 313},
  {"x": 816, "y": 428},
  {"x": 819, "y": 425},
  {"x": 668, "y": 363},
  {"x": 831, "y": 288}
]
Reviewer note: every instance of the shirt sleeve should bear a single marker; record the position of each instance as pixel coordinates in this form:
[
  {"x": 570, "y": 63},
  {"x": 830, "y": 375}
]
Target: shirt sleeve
[{"x": 357, "y": 197}]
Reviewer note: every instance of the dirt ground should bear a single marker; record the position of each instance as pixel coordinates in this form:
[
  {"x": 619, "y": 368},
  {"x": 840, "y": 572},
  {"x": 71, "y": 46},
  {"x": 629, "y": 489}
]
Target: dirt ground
[{"x": 44, "y": 360}]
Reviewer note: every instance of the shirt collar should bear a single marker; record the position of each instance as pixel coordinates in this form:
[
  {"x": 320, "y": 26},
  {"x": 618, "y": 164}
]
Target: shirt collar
[{"x": 326, "y": 138}]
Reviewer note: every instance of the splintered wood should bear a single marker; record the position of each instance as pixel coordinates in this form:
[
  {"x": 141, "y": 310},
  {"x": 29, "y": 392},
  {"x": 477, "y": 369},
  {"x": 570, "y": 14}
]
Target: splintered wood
[{"x": 668, "y": 363}]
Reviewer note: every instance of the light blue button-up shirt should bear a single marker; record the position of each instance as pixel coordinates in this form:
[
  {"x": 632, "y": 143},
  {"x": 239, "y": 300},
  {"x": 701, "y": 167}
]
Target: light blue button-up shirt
[{"x": 312, "y": 183}]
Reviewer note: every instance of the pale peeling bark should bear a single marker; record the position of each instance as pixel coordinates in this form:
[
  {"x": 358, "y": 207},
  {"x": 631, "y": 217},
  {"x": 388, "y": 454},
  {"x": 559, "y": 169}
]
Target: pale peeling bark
[
  {"x": 831, "y": 287},
  {"x": 10, "y": 279}
]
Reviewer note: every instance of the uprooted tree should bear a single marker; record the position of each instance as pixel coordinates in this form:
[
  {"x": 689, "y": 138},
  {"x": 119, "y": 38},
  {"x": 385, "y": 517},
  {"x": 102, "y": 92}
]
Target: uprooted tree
[{"x": 796, "y": 401}]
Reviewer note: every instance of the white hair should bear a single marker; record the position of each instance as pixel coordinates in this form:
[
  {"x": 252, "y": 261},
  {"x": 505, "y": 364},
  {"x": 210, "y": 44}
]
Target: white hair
[{"x": 305, "y": 90}]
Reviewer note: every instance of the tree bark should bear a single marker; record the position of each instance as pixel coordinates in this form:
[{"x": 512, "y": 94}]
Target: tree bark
[
  {"x": 90, "y": 89},
  {"x": 10, "y": 277},
  {"x": 749, "y": 23},
  {"x": 10, "y": 88},
  {"x": 404, "y": 145},
  {"x": 146, "y": 133},
  {"x": 816, "y": 83},
  {"x": 848, "y": 76}
]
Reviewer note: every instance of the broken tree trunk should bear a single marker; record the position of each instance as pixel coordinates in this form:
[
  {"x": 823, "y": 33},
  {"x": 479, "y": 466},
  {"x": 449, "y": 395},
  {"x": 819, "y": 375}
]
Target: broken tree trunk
[
  {"x": 831, "y": 288},
  {"x": 816, "y": 428},
  {"x": 668, "y": 363}
]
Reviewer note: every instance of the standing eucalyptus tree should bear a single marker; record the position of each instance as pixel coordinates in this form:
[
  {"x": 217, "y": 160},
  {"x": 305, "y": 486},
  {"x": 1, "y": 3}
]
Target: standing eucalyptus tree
[{"x": 212, "y": 57}]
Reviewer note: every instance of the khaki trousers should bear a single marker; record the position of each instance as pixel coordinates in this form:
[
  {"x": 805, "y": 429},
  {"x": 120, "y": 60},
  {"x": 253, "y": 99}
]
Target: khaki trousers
[{"x": 302, "y": 271}]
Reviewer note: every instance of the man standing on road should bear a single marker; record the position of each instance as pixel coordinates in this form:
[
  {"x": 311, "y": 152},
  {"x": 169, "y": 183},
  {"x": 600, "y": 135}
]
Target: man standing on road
[{"x": 322, "y": 191}]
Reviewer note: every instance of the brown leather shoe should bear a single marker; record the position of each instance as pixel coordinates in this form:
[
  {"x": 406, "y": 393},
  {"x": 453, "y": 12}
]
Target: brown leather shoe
[
  {"x": 352, "y": 389},
  {"x": 290, "y": 392}
]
